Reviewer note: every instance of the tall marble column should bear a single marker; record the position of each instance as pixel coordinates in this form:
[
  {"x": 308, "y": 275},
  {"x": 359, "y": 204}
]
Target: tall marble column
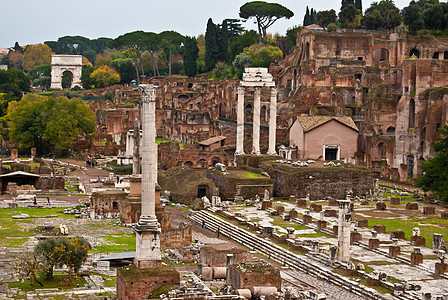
[
  {"x": 344, "y": 225},
  {"x": 240, "y": 123},
  {"x": 273, "y": 122},
  {"x": 147, "y": 253},
  {"x": 256, "y": 122}
]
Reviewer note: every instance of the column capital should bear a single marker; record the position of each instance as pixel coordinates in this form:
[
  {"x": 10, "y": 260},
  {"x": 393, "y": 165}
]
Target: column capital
[
  {"x": 148, "y": 92},
  {"x": 257, "y": 90},
  {"x": 240, "y": 90},
  {"x": 274, "y": 91}
]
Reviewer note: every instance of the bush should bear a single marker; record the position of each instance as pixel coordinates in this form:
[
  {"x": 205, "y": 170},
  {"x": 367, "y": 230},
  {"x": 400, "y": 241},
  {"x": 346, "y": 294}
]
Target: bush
[
  {"x": 108, "y": 95},
  {"x": 123, "y": 170},
  {"x": 221, "y": 71}
]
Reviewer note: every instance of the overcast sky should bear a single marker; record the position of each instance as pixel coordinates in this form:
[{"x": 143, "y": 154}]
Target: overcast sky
[{"x": 37, "y": 21}]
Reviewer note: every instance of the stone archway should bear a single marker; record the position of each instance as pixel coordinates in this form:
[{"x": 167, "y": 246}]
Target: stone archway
[{"x": 63, "y": 63}]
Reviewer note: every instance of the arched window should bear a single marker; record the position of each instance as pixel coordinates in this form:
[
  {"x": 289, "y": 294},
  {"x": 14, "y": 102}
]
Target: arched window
[
  {"x": 412, "y": 113},
  {"x": 414, "y": 52}
]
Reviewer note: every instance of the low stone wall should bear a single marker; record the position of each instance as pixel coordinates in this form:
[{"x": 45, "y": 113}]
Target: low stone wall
[
  {"x": 174, "y": 237},
  {"x": 212, "y": 257}
]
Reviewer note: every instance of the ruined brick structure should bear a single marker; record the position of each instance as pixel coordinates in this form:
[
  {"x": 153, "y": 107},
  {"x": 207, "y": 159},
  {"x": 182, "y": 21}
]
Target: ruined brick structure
[{"x": 389, "y": 82}]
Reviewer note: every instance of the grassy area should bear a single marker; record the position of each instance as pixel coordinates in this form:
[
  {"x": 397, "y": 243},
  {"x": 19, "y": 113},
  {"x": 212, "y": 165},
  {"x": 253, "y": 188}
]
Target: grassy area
[
  {"x": 427, "y": 227},
  {"x": 315, "y": 234},
  {"x": 252, "y": 175},
  {"x": 16, "y": 242},
  {"x": 58, "y": 281},
  {"x": 163, "y": 140},
  {"x": 117, "y": 243}
]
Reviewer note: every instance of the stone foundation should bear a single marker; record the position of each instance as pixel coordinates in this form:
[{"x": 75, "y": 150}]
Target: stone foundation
[
  {"x": 355, "y": 237},
  {"x": 394, "y": 201},
  {"x": 321, "y": 224},
  {"x": 280, "y": 210},
  {"x": 394, "y": 251},
  {"x": 444, "y": 215},
  {"x": 379, "y": 228},
  {"x": 363, "y": 223},
  {"x": 302, "y": 203},
  {"x": 331, "y": 213},
  {"x": 266, "y": 204},
  {"x": 307, "y": 219},
  {"x": 133, "y": 283},
  {"x": 412, "y": 206},
  {"x": 380, "y": 206},
  {"x": 397, "y": 234},
  {"x": 416, "y": 259},
  {"x": 441, "y": 268},
  {"x": 374, "y": 244},
  {"x": 429, "y": 210},
  {"x": 333, "y": 202},
  {"x": 335, "y": 230},
  {"x": 212, "y": 257},
  {"x": 418, "y": 241},
  {"x": 315, "y": 207},
  {"x": 248, "y": 274}
]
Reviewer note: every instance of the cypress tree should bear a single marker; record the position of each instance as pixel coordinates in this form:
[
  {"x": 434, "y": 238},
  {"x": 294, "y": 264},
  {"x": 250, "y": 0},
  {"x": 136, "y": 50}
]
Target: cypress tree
[
  {"x": 358, "y": 4},
  {"x": 306, "y": 19},
  {"x": 191, "y": 52},
  {"x": 211, "y": 45}
]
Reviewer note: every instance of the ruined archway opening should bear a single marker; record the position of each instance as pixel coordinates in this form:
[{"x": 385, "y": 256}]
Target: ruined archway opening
[
  {"x": 67, "y": 78},
  {"x": 202, "y": 191},
  {"x": 445, "y": 55},
  {"x": 381, "y": 55},
  {"x": 390, "y": 130},
  {"x": 414, "y": 52}
]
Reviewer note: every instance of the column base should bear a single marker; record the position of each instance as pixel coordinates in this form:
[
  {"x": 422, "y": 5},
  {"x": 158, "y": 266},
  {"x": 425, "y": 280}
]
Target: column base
[
  {"x": 239, "y": 153},
  {"x": 254, "y": 152},
  {"x": 271, "y": 153}
]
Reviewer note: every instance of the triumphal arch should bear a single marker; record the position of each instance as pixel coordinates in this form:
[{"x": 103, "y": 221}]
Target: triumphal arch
[{"x": 60, "y": 64}]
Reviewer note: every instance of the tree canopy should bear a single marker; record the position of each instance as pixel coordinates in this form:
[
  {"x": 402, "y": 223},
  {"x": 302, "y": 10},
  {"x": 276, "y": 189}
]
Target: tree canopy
[
  {"x": 435, "y": 169},
  {"x": 381, "y": 15},
  {"x": 265, "y": 14},
  {"x": 49, "y": 123},
  {"x": 13, "y": 83},
  {"x": 190, "y": 56},
  {"x": 36, "y": 55}
]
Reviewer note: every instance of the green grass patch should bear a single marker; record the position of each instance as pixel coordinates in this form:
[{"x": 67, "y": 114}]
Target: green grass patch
[
  {"x": 7, "y": 166},
  {"x": 315, "y": 234},
  {"x": 117, "y": 243},
  {"x": 58, "y": 281},
  {"x": 252, "y": 175},
  {"x": 34, "y": 164},
  {"x": 16, "y": 243},
  {"x": 160, "y": 140}
]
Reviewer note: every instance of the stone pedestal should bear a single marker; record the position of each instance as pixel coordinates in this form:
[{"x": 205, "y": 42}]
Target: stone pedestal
[
  {"x": 344, "y": 225},
  {"x": 307, "y": 219},
  {"x": 363, "y": 223},
  {"x": 379, "y": 228},
  {"x": 293, "y": 214},
  {"x": 335, "y": 230},
  {"x": 412, "y": 206},
  {"x": 397, "y": 234},
  {"x": 332, "y": 202},
  {"x": 380, "y": 206},
  {"x": 416, "y": 259},
  {"x": 147, "y": 253},
  {"x": 394, "y": 251},
  {"x": 14, "y": 154},
  {"x": 355, "y": 237},
  {"x": 302, "y": 203},
  {"x": 280, "y": 210},
  {"x": 441, "y": 268},
  {"x": 429, "y": 210},
  {"x": 331, "y": 213},
  {"x": 321, "y": 224},
  {"x": 418, "y": 241},
  {"x": 315, "y": 207},
  {"x": 394, "y": 201},
  {"x": 266, "y": 204},
  {"x": 133, "y": 283},
  {"x": 33, "y": 152},
  {"x": 374, "y": 244},
  {"x": 444, "y": 215},
  {"x": 135, "y": 186}
]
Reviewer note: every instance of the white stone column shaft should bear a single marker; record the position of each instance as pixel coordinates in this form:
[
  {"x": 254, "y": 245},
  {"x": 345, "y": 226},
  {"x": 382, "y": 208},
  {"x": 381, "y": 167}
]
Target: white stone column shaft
[
  {"x": 240, "y": 122},
  {"x": 149, "y": 154},
  {"x": 273, "y": 122},
  {"x": 256, "y": 122},
  {"x": 344, "y": 226}
]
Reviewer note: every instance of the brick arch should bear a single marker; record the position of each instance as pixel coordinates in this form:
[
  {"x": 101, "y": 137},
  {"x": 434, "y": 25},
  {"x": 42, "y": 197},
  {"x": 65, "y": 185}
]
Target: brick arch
[{"x": 202, "y": 163}]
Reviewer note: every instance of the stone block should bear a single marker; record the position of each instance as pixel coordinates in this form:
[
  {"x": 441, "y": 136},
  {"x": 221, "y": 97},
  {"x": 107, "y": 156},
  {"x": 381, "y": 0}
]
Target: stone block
[
  {"x": 355, "y": 237},
  {"x": 335, "y": 230},
  {"x": 416, "y": 259},
  {"x": 374, "y": 244},
  {"x": 266, "y": 204},
  {"x": 133, "y": 283},
  {"x": 307, "y": 219},
  {"x": 397, "y": 234},
  {"x": 363, "y": 223},
  {"x": 302, "y": 203},
  {"x": 212, "y": 257},
  {"x": 331, "y": 213},
  {"x": 349, "y": 272},
  {"x": 33, "y": 152},
  {"x": 394, "y": 251},
  {"x": 379, "y": 228},
  {"x": 254, "y": 273},
  {"x": 315, "y": 207},
  {"x": 373, "y": 281},
  {"x": 394, "y": 201},
  {"x": 412, "y": 206},
  {"x": 333, "y": 202},
  {"x": 441, "y": 268},
  {"x": 293, "y": 214},
  {"x": 429, "y": 210},
  {"x": 365, "y": 202},
  {"x": 280, "y": 209},
  {"x": 418, "y": 241},
  {"x": 14, "y": 154},
  {"x": 321, "y": 224},
  {"x": 444, "y": 215},
  {"x": 380, "y": 206}
]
